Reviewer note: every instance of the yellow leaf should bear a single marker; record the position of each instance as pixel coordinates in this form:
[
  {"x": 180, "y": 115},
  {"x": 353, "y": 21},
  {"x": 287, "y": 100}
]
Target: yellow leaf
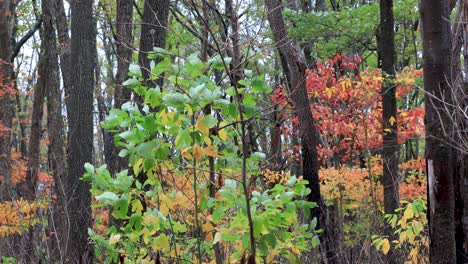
[
  {"x": 207, "y": 140},
  {"x": 150, "y": 219},
  {"x": 164, "y": 118},
  {"x": 201, "y": 127},
  {"x": 164, "y": 209},
  {"x": 329, "y": 92},
  {"x": 222, "y": 134},
  {"x": 385, "y": 246},
  {"x": 197, "y": 152},
  {"x": 137, "y": 207},
  {"x": 147, "y": 234},
  {"x": 402, "y": 237},
  {"x": 114, "y": 238},
  {"x": 186, "y": 154},
  {"x": 160, "y": 242},
  {"x": 392, "y": 120},
  {"x": 181, "y": 199},
  {"x": 207, "y": 227},
  {"x": 136, "y": 166},
  {"x": 209, "y": 151}
]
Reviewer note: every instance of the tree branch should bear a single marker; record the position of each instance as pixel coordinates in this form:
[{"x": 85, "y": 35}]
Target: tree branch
[{"x": 25, "y": 38}]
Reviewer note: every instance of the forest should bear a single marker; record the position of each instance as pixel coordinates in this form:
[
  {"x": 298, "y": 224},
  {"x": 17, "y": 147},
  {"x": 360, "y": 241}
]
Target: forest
[{"x": 235, "y": 131}]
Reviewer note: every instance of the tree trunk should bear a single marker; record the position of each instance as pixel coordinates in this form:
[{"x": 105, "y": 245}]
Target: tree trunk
[
  {"x": 64, "y": 45},
  {"x": 437, "y": 81},
  {"x": 390, "y": 150},
  {"x": 124, "y": 42},
  {"x": 6, "y": 101},
  {"x": 153, "y": 34},
  {"x": 55, "y": 130},
  {"x": 307, "y": 130},
  {"x": 80, "y": 140}
]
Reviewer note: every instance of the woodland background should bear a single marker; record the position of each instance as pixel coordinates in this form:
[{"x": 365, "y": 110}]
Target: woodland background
[{"x": 236, "y": 131}]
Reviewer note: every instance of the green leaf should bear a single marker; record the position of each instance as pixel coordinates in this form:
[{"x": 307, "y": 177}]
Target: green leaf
[
  {"x": 107, "y": 197},
  {"x": 147, "y": 149},
  {"x": 134, "y": 70},
  {"x": 209, "y": 121},
  {"x": 89, "y": 168},
  {"x": 176, "y": 100}
]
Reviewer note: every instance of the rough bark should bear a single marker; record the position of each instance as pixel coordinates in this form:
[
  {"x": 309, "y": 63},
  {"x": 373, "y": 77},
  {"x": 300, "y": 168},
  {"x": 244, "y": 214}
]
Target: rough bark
[
  {"x": 437, "y": 80},
  {"x": 64, "y": 44},
  {"x": 80, "y": 137},
  {"x": 459, "y": 82},
  {"x": 55, "y": 132},
  {"x": 6, "y": 101},
  {"x": 307, "y": 130},
  {"x": 153, "y": 34},
  {"x": 6, "y": 114},
  {"x": 390, "y": 150},
  {"x": 124, "y": 42}
]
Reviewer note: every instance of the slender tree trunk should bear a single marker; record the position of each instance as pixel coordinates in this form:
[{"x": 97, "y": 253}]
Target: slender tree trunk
[
  {"x": 124, "y": 42},
  {"x": 80, "y": 139},
  {"x": 390, "y": 151},
  {"x": 459, "y": 82},
  {"x": 6, "y": 101},
  {"x": 153, "y": 34},
  {"x": 307, "y": 130},
  {"x": 437, "y": 81},
  {"x": 64, "y": 44},
  {"x": 6, "y": 113},
  {"x": 55, "y": 129}
]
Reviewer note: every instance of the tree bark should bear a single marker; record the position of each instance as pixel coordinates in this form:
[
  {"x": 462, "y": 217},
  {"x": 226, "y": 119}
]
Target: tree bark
[
  {"x": 6, "y": 101},
  {"x": 153, "y": 34},
  {"x": 55, "y": 129},
  {"x": 390, "y": 150},
  {"x": 307, "y": 130},
  {"x": 64, "y": 44},
  {"x": 124, "y": 42},
  {"x": 437, "y": 80},
  {"x": 80, "y": 136}
]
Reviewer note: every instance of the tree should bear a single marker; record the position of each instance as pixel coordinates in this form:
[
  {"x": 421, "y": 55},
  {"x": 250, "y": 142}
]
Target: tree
[
  {"x": 153, "y": 35},
  {"x": 124, "y": 41},
  {"x": 390, "y": 150},
  {"x": 7, "y": 113},
  {"x": 80, "y": 135},
  {"x": 307, "y": 131},
  {"x": 437, "y": 80}
]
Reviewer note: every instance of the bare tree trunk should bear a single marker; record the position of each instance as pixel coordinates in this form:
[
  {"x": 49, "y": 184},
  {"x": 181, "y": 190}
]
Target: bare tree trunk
[
  {"x": 390, "y": 150},
  {"x": 6, "y": 101},
  {"x": 55, "y": 129},
  {"x": 64, "y": 42},
  {"x": 459, "y": 82},
  {"x": 307, "y": 129},
  {"x": 80, "y": 140},
  {"x": 6, "y": 113},
  {"x": 437, "y": 81}
]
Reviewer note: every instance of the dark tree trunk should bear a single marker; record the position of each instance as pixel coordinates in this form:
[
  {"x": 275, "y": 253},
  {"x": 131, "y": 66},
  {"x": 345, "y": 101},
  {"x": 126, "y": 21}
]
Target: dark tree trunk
[
  {"x": 6, "y": 101},
  {"x": 153, "y": 34},
  {"x": 459, "y": 82},
  {"x": 437, "y": 80},
  {"x": 390, "y": 150},
  {"x": 80, "y": 136},
  {"x": 307, "y": 130},
  {"x": 55, "y": 131},
  {"x": 6, "y": 114},
  {"x": 124, "y": 42}
]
